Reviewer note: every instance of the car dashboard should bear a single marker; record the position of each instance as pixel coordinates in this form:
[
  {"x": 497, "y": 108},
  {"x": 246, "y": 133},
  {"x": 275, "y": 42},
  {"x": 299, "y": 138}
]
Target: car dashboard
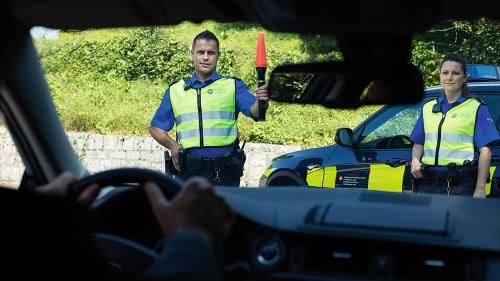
[{"x": 348, "y": 234}]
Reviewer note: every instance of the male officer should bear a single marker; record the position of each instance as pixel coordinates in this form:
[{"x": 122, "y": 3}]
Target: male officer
[{"x": 204, "y": 109}]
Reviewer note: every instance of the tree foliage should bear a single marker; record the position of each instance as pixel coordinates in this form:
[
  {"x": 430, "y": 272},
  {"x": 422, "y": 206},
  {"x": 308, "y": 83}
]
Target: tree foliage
[
  {"x": 478, "y": 41},
  {"x": 90, "y": 72}
]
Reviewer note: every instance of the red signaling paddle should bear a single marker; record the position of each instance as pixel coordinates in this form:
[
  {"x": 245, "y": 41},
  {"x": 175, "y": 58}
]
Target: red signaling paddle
[{"x": 260, "y": 66}]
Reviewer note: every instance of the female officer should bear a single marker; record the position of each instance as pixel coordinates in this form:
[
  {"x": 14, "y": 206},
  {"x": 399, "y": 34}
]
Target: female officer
[{"x": 452, "y": 137}]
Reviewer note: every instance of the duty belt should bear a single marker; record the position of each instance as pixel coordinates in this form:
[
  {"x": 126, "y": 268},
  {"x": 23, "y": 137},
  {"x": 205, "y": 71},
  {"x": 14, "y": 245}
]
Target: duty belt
[
  {"x": 229, "y": 163},
  {"x": 207, "y": 163},
  {"x": 444, "y": 175},
  {"x": 453, "y": 174}
]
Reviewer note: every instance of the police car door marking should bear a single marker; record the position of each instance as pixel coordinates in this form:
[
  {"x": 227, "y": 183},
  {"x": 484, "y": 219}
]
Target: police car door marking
[
  {"x": 488, "y": 185},
  {"x": 352, "y": 176},
  {"x": 374, "y": 177},
  {"x": 386, "y": 178},
  {"x": 314, "y": 177},
  {"x": 330, "y": 177}
]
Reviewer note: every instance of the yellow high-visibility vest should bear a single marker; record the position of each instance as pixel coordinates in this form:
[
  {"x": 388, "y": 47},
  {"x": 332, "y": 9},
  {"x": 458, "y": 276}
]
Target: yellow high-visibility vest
[
  {"x": 205, "y": 117},
  {"x": 449, "y": 138}
]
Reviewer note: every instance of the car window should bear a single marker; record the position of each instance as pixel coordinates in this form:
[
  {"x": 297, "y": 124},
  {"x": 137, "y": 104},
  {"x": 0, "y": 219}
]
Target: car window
[
  {"x": 11, "y": 166},
  {"x": 395, "y": 122},
  {"x": 398, "y": 121}
]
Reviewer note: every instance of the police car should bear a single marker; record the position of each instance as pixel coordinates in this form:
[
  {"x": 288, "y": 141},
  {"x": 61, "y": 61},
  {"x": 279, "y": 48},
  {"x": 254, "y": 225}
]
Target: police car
[{"x": 376, "y": 154}]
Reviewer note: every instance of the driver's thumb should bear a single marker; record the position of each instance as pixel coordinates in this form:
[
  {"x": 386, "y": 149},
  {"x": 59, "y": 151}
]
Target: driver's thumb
[
  {"x": 155, "y": 197},
  {"x": 89, "y": 194}
]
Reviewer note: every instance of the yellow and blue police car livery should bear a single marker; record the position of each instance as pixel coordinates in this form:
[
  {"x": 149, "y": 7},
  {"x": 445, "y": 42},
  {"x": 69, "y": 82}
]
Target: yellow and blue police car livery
[
  {"x": 380, "y": 177},
  {"x": 385, "y": 168}
]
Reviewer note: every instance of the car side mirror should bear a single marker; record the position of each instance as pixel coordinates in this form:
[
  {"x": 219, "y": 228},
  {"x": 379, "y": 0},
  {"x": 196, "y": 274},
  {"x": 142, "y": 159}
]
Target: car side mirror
[{"x": 344, "y": 137}]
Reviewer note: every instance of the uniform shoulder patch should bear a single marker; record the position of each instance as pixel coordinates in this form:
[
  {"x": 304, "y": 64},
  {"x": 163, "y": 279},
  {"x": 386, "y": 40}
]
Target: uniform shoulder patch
[
  {"x": 174, "y": 83},
  {"x": 232, "y": 77},
  {"x": 432, "y": 100},
  {"x": 187, "y": 83},
  {"x": 480, "y": 101}
]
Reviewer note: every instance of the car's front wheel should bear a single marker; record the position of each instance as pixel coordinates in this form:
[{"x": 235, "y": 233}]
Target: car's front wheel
[{"x": 285, "y": 178}]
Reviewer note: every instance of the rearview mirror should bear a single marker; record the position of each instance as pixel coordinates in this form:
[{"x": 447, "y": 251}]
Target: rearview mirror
[{"x": 341, "y": 84}]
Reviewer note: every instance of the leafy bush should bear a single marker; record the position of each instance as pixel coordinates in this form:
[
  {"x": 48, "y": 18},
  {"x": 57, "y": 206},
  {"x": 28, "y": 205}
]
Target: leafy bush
[
  {"x": 144, "y": 53},
  {"x": 90, "y": 72},
  {"x": 476, "y": 40},
  {"x": 305, "y": 125}
]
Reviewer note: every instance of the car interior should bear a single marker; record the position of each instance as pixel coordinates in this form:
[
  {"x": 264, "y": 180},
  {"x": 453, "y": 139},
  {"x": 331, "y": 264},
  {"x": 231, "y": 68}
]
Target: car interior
[{"x": 280, "y": 233}]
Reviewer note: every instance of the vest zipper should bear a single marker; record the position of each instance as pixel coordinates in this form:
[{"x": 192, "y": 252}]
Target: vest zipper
[
  {"x": 439, "y": 138},
  {"x": 200, "y": 119}
]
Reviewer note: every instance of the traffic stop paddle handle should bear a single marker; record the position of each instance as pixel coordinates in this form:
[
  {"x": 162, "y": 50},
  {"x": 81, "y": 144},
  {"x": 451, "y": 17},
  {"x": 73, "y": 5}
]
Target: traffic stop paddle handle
[
  {"x": 261, "y": 74},
  {"x": 260, "y": 66}
]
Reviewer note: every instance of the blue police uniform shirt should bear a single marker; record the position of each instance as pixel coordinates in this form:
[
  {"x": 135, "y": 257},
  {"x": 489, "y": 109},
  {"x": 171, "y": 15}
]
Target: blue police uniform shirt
[
  {"x": 484, "y": 125},
  {"x": 164, "y": 116}
]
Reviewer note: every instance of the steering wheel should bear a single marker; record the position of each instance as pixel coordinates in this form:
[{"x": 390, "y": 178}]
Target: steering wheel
[
  {"x": 128, "y": 204},
  {"x": 398, "y": 141},
  {"x": 167, "y": 183}
]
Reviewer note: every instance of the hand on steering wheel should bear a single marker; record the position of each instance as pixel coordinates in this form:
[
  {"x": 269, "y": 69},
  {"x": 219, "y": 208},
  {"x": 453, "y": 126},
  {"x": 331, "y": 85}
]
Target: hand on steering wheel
[
  {"x": 195, "y": 209},
  {"x": 117, "y": 177},
  {"x": 60, "y": 187}
]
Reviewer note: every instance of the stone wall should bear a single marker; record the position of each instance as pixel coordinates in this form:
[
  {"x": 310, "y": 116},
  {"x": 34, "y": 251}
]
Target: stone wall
[
  {"x": 102, "y": 152},
  {"x": 11, "y": 166}
]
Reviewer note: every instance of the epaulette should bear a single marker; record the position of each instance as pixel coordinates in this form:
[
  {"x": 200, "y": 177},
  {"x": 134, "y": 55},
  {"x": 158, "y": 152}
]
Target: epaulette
[
  {"x": 173, "y": 83},
  {"x": 187, "y": 83},
  {"x": 431, "y": 100},
  {"x": 232, "y": 77},
  {"x": 480, "y": 101}
]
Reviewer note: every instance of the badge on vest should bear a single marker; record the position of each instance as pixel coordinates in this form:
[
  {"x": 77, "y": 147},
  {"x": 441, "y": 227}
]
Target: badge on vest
[{"x": 463, "y": 115}]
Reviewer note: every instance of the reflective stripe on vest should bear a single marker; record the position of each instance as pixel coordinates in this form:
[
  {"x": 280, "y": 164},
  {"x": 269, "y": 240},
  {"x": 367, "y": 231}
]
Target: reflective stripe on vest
[
  {"x": 206, "y": 116},
  {"x": 453, "y": 143}
]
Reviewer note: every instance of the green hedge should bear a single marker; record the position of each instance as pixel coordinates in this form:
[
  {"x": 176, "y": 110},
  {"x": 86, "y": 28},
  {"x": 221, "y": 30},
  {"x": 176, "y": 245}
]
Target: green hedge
[{"x": 90, "y": 72}]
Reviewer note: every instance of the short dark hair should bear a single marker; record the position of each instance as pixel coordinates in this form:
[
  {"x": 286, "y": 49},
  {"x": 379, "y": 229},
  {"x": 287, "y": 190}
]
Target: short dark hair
[
  {"x": 207, "y": 35},
  {"x": 461, "y": 60}
]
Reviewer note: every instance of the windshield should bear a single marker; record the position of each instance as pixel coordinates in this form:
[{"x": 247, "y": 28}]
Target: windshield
[
  {"x": 109, "y": 85},
  {"x": 103, "y": 131}
]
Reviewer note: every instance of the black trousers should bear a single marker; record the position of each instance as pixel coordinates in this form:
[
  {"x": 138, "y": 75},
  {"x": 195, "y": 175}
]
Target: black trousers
[
  {"x": 465, "y": 186},
  {"x": 217, "y": 177}
]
